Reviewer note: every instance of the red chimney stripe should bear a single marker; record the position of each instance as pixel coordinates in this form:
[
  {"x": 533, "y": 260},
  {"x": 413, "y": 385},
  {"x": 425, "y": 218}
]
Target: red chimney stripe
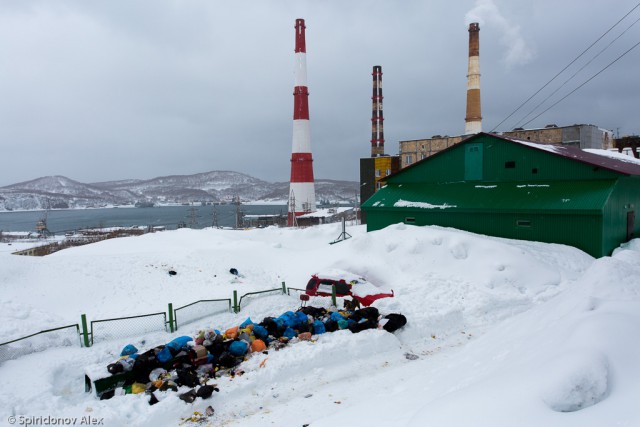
[
  {"x": 300, "y": 38},
  {"x": 301, "y": 167}
]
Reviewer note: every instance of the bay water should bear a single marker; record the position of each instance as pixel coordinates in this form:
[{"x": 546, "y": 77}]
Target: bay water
[{"x": 60, "y": 221}]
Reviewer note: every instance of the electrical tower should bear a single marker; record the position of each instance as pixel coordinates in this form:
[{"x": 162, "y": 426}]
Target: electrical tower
[
  {"x": 214, "y": 223},
  {"x": 193, "y": 217},
  {"x": 239, "y": 214},
  {"x": 293, "y": 220}
]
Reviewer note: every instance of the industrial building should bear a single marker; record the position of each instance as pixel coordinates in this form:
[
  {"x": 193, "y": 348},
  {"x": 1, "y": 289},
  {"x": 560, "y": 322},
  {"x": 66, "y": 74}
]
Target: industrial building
[
  {"x": 503, "y": 187},
  {"x": 375, "y": 169},
  {"x": 579, "y": 135}
]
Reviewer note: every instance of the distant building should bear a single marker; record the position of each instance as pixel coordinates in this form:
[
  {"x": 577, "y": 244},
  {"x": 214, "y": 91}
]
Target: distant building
[
  {"x": 583, "y": 136},
  {"x": 629, "y": 145},
  {"x": 373, "y": 173}
]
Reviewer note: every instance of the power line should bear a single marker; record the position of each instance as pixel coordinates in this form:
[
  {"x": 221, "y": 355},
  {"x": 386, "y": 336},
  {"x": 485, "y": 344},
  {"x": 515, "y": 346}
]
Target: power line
[
  {"x": 591, "y": 78},
  {"x": 575, "y": 74},
  {"x": 563, "y": 70}
]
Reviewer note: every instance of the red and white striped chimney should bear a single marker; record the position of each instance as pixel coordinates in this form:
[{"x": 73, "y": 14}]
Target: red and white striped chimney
[
  {"x": 302, "y": 195},
  {"x": 377, "y": 118}
]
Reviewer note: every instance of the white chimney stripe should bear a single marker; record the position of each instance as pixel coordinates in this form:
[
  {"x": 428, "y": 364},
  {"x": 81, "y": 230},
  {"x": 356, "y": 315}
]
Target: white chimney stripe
[
  {"x": 471, "y": 128},
  {"x": 304, "y": 194},
  {"x": 300, "y": 69},
  {"x": 301, "y": 137}
]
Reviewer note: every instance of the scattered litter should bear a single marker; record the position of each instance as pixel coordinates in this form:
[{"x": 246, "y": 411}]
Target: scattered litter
[{"x": 192, "y": 361}]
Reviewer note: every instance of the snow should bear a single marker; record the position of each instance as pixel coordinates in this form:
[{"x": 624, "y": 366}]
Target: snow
[
  {"x": 422, "y": 205},
  {"x": 326, "y": 212},
  {"x": 614, "y": 155},
  {"x": 500, "y": 332}
]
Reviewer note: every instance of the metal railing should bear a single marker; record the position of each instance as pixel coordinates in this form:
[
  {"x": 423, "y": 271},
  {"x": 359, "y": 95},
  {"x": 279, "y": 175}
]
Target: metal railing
[
  {"x": 237, "y": 303},
  {"x": 106, "y": 329},
  {"x": 58, "y": 337},
  {"x": 120, "y": 327},
  {"x": 200, "y": 309}
]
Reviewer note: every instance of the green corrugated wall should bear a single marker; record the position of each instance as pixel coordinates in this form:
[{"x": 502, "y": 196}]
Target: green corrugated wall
[{"x": 597, "y": 228}]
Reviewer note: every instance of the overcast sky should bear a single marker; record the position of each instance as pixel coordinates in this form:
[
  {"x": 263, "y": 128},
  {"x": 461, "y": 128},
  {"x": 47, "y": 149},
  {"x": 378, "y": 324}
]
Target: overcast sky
[{"x": 113, "y": 89}]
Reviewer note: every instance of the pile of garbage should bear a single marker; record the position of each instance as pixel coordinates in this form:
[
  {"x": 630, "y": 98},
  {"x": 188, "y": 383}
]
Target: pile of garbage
[{"x": 190, "y": 365}]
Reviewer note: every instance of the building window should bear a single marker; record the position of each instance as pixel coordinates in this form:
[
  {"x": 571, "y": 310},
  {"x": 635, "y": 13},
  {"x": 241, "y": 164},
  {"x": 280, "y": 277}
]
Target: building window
[
  {"x": 388, "y": 172},
  {"x": 409, "y": 159},
  {"x": 377, "y": 173},
  {"x": 410, "y": 220},
  {"x": 511, "y": 164},
  {"x": 523, "y": 223},
  {"x": 378, "y": 185},
  {"x": 422, "y": 156}
]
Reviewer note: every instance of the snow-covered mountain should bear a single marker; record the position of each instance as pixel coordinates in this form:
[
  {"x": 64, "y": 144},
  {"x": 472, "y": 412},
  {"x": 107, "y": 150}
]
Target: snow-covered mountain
[{"x": 215, "y": 186}]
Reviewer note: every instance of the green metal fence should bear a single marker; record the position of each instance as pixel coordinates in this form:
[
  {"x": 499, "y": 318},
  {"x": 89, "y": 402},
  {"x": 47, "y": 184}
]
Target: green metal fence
[
  {"x": 237, "y": 303},
  {"x": 58, "y": 337},
  {"x": 107, "y": 329},
  {"x": 199, "y": 310},
  {"x": 120, "y": 327}
]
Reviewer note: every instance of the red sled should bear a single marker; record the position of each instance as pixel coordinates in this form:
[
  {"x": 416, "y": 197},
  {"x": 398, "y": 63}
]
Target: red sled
[{"x": 357, "y": 288}]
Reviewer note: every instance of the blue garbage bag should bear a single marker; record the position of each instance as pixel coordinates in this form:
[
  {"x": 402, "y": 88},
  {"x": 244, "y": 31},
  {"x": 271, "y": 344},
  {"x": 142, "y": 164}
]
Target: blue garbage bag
[
  {"x": 260, "y": 332},
  {"x": 128, "y": 350},
  {"x": 336, "y": 317},
  {"x": 289, "y": 333},
  {"x": 318, "y": 327},
  {"x": 246, "y": 323},
  {"x": 177, "y": 343},
  {"x": 238, "y": 348},
  {"x": 164, "y": 355}
]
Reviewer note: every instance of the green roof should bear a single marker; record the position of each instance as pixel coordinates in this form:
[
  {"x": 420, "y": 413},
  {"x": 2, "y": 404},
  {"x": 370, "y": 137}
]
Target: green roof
[{"x": 560, "y": 196}]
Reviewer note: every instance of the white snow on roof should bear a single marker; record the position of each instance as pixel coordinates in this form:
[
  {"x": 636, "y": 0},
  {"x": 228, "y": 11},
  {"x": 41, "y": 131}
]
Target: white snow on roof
[
  {"x": 614, "y": 155},
  {"x": 546, "y": 147},
  {"x": 423, "y": 205},
  {"x": 557, "y": 149}
]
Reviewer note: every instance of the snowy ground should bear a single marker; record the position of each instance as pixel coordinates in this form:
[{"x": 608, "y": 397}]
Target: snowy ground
[{"x": 505, "y": 332}]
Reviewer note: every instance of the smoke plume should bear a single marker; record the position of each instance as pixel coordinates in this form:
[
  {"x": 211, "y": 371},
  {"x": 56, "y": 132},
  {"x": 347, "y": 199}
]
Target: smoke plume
[{"x": 517, "y": 50}]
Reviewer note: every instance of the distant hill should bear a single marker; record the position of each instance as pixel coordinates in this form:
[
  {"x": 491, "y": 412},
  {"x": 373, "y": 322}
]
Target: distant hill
[{"x": 59, "y": 192}]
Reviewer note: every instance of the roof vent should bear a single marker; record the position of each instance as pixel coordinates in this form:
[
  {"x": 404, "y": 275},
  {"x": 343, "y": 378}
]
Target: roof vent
[
  {"x": 436, "y": 136},
  {"x": 551, "y": 126},
  {"x": 518, "y": 129}
]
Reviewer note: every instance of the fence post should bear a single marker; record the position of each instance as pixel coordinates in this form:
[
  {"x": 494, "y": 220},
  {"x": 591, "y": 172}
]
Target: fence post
[
  {"x": 85, "y": 334},
  {"x": 171, "y": 318},
  {"x": 284, "y": 288},
  {"x": 235, "y": 302},
  {"x": 333, "y": 296}
]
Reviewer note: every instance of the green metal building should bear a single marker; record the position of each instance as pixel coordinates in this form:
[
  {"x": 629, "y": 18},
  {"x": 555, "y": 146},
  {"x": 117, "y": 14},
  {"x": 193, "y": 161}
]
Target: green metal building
[{"x": 516, "y": 189}]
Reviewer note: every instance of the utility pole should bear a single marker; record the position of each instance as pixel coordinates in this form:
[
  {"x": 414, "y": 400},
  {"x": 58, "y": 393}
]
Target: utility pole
[
  {"x": 193, "y": 217},
  {"x": 215, "y": 217},
  {"x": 236, "y": 201},
  {"x": 292, "y": 220}
]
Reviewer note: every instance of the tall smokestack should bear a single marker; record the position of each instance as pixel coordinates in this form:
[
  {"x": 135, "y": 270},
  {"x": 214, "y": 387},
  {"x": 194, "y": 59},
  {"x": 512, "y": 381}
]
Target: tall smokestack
[
  {"x": 473, "y": 120},
  {"x": 377, "y": 119},
  {"x": 302, "y": 196}
]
